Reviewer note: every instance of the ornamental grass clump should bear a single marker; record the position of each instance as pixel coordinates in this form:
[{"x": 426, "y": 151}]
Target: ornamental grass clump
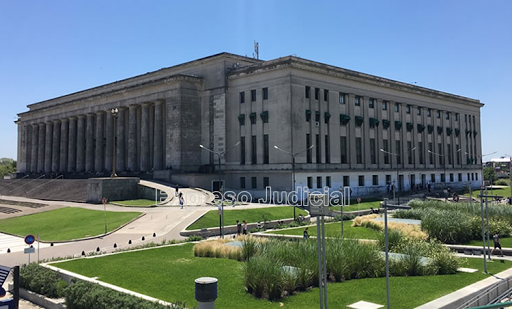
[{"x": 451, "y": 227}]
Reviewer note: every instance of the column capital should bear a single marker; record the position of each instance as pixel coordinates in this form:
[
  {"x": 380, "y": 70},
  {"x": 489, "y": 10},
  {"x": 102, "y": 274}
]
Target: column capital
[
  {"x": 56, "y": 121},
  {"x": 100, "y": 112}
]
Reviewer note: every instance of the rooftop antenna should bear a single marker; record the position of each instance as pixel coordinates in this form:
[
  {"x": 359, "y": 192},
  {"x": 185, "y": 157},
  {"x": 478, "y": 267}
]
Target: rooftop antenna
[{"x": 256, "y": 53}]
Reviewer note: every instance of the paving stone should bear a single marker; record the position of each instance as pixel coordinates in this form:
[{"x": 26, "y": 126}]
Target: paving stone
[{"x": 365, "y": 305}]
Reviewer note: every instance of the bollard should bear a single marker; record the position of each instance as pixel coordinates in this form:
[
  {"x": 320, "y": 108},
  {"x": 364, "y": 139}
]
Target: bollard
[
  {"x": 130, "y": 242},
  {"x": 8, "y": 250},
  {"x": 206, "y": 292},
  {"x": 51, "y": 244},
  {"x": 154, "y": 234},
  {"x": 143, "y": 238},
  {"x": 97, "y": 249},
  {"x": 83, "y": 253},
  {"x": 115, "y": 245}
]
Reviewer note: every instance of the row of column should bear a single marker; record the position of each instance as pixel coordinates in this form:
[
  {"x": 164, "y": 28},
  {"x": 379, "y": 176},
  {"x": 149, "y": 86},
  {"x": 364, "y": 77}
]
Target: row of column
[{"x": 85, "y": 143}]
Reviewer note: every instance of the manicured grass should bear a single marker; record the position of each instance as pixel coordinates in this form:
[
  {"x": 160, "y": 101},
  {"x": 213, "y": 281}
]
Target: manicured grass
[
  {"x": 333, "y": 229},
  {"x": 136, "y": 203},
  {"x": 355, "y": 207},
  {"x": 65, "y": 223},
  {"x": 496, "y": 191},
  {"x": 211, "y": 218},
  {"x": 168, "y": 274}
]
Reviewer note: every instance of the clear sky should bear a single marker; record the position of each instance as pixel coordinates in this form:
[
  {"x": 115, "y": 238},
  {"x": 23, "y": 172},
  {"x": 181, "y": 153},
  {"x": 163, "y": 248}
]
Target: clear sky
[{"x": 52, "y": 48}]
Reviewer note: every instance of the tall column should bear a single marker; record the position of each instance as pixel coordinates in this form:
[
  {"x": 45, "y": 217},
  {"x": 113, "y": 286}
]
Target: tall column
[
  {"x": 99, "y": 162},
  {"x": 48, "y": 149},
  {"x": 109, "y": 143},
  {"x": 80, "y": 144},
  {"x": 144, "y": 138},
  {"x": 120, "y": 140},
  {"x": 41, "y": 147},
  {"x": 72, "y": 145},
  {"x": 365, "y": 134},
  {"x": 351, "y": 132},
  {"x": 158, "y": 150},
  {"x": 64, "y": 130},
  {"x": 33, "y": 154},
  {"x": 56, "y": 146},
  {"x": 89, "y": 143},
  {"x": 132, "y": 138}
]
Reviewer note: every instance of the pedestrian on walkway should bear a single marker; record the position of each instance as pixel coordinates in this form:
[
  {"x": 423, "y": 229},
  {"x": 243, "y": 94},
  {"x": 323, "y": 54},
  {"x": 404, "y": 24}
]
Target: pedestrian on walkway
[
  {"x": 238, "y": 228},
  {"x": 305, "y": 234},
  {"x": 496, "y": 240},
  {"x": 177, "y": 189},
  {"x": 244, "y": 226},
  {"x": 182, "y": 200}
]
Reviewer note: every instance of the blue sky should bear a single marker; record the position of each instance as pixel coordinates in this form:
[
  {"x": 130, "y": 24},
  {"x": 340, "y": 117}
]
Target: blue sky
[{"x": 52, "y": 48}]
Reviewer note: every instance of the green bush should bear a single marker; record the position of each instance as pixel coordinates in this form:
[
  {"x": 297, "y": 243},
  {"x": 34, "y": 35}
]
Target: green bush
[
  {"x": 451, "y": 227},
  {"x": 394, "y": 239},
  {"x": 249, "y": 248},
  {"x": 264, "y": 277},
  {"x": 41, "y": 280},
  {"x": 501, "y": 182},
  {"x": 415, "y": 214}
]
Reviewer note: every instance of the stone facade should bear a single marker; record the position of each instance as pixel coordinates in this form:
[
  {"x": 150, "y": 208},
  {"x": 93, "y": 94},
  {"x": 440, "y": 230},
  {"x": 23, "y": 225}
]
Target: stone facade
[{"x": 288, "y": 102}]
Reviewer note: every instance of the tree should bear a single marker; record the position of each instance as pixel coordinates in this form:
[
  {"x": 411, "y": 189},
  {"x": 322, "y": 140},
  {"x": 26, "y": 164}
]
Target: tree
[
  {"x": 7, "y": 166},
  {"x": 489, "y": 173}
]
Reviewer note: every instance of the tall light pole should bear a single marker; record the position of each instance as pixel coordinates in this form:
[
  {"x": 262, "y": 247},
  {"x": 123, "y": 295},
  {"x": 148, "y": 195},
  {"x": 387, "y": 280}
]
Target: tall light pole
[
  {"x": 114, "y": 112},
  {"x": 293, "y": 155},
  {"x": 481, "y": 165},
  {"x": 444, "y": 162},
  {"x": 219, "y": 155},
  {"x": 397, "y": 174}
]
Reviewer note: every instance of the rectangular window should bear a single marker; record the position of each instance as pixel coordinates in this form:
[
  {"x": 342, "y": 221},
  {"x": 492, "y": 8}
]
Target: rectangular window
[
  {"x": 451, "y": 177},
  {"x": 443, "y": 179},
  {"x": 408, "y": 109},
  {"x": 361, "y": 181},
  {"x": 430, "y": 155},
  {"x": 373, "y": 154},
  {"x": 343, "y": 149},
  {"x": 253, "y": 95},
  {"x": 420, "y": 152},
  {"x": 440, "y": 150},
  {"x": 342, "y": 98},
  {"x": 310, "y": 182},
  {"x": 265, "y": 149},
  {"x": 317, "y": 93},
  {"x": 346, "y": 181},
  {"x": 476, "y": 176},
  {"x": 318, "y": 149},
  {"x": 466, "y": 120},
  {"x": 327, "y": 152},
  {"x": 460, "y": 177},
  {"x": 242, "y": 97},
  {"x": 375, "y": 180},
  {"x": 458, "y": 154},
  {"x": 397, "y": 107},
  {"x": 468, "y": 176},
  {"x": 429, "y": 112},
  {"x": 418, "y": 111},
  {"x": 308, "y": 89},
  {"x": 447, "y": 115},
  {"x": 253, "y": 150},
  {"x": 266, "y": 182},
  {"x": 384, "y": 105},
  {"x": 472, "y": 176},
  {"x": 432, "y": 178},
  {"x": 242, "y": 182},
  {"x": 319, "y": 182},
  {"x": 309, "y": 152},
  {"x": 388, "y": 179},
  {"x": 385, "y": 147},
  {"x": 357, "y": 101},
  {"x": 409, "y": 152},
  {"x": 398, "y": 152},
  {"x": 438, "y": 114},
  {"x": 456, "y": 117},
  {"x": 328, "y": 181},
  {"x": 359, "y": 151},
  {"x": 242, "y": 150},
  {"x": 449, "y": 154},
  {"x": 371, "y": 103},
  {"x": 326, "y": 95},
  {"x": 265, "y": 93},
  {"x": 254, "y": 182}
]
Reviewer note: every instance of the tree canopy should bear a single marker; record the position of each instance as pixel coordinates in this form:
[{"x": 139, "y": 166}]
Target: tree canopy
[{"x": 7, "y": 166}]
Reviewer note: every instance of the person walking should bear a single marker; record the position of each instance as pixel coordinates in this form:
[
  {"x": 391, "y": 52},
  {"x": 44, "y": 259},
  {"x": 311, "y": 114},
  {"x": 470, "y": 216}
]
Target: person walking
[
  {"x": 182, "y": 200},
  {"x": 244, "y": 227},
  {"x": 496, "y": 240},
  {"x": 305, "y": 235},
  {"x": 238, "y": 228},
  {"x": 177, "y": 190}
]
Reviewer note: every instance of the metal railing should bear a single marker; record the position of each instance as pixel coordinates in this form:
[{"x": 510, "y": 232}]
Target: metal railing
[{"x": 485, "y": 296}]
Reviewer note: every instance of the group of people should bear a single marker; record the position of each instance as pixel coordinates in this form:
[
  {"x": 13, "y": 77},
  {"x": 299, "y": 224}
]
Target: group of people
[{"x": 241, "y": 228}]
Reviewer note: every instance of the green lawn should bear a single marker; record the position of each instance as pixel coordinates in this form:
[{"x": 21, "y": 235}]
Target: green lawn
[
  {"x": 211, "y": 218},
  {"x": 355, "y": 207},
  {"x": 496, "y": 191},
  {"x": 332, "y": 229},
  {"x": 65, "y": 223},
  {"x": 136, "y": 203},
  {"x": 506, "y": 242},
  {"x": 168, "y": 274}
]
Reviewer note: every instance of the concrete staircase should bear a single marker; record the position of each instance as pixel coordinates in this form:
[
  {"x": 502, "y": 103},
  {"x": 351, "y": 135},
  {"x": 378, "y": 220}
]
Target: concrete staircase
[{"x": 72, "y": 190}]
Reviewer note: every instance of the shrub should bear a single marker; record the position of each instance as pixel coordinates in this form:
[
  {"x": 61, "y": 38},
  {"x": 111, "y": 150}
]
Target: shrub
[
  {"x": 41, "y": 280},
  {"x": 217, "y": 248},
  {"x": 415, "y": 214},
  {"x": 249, "y": 248},
  {"x": 394, "y": 239},
  {"x": 501, "y": 182},
  {"x": 451, "y": 227},
  {"x": 264, "y": 277}
]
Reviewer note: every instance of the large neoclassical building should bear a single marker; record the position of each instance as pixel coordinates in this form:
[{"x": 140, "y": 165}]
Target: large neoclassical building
[{"x": 344, "y": 128}]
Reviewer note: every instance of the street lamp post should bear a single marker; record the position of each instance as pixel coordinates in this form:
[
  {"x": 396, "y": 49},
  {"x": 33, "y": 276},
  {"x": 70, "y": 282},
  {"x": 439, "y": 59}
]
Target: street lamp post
[
  {"x": 114, "y": 112},
  {"x": 219, "y": 155},
  {"x": 293, "y": 155},
  {"x": 397, "y": 173}
]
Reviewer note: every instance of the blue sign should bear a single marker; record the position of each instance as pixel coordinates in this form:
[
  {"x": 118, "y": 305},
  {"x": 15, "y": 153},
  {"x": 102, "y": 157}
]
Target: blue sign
[{"x": 29, "y": 239}]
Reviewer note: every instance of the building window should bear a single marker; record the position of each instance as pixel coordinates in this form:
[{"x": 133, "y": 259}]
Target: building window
[
  {"x": 418, "y": 111},
  {"x": 468, "y": 176},
  {"x": 458, "y": 154},
  {"x": 384, "y": 105},
  {"x": 328, "y": 181},
  {"x": 318, "y": 149},
  {"x": 373, "y": 155},
  {"x": 449, "y": 154},
  {"x": 371, "y": 103},
  {"x": 420, "y": 152},
  {"x": 409, "y": 152},
  {"x": 397, "y": 107},
  {"x": 317, "y": 93},
  {"x": 242, "y": 97},
  {"x": 472, "y": 176},
  {"x": 447, "y": 115},
  {"x": 253, "y": 95},
  {"x": 266, "y": 182},
  {"x": 398, "y": 152},
  {"x": 264, "y": 116},
  {"x": 429, "y": 112},
  {"x": 319, "y": 182},
  {"x": 310, "y": 182},
  {"x": 342, "y": 98},
  {"x": 346, "y": 181},
  {"x": 242, "y": 150},
  {"x": 443, "y": 179},
  {"x": 326, "y": 95},
  {"x": 343, "y": 149},
  {"x": 252, "y": 117},
  {"x": 456, "y": 117},
  {"x": 359, "y": 151},
  {"x": 460, "y": 177},
  {"x": 308, "y": 89},
  {"x": 357, "y": 101},
  {"x": 438, "y": 114},
  {"x": 440, "y": 150},
  {"x": 432, "y": 178},
  {"x": 388, "y": 179},
  {"x": 430, "y": 154},
  {"x": 408, "y": 109},
  {"x": 308, "y": 115},
  {"x": 385, "y": 147},
  {"x": 361, "y": 180},
  {"x": 265, "y": 93},
  {"x": 476, "y": 176},
  {"x": 466, "y": 120},
  {"x": 451, "y": 177},
  {"x": 327, "y": 152},
  {"x": 241, "y": 119},
  {"x": 265, "y": 149},
  {"x": 253, "y": 150},
  {"x": 242, "y": 182},
  {"x": 309, "y": 153},
  {"x": 254, "y": 182}
]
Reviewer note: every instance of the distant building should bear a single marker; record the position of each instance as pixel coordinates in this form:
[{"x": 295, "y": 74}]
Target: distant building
[
  {"x": 289, "y": 102},
  {"x": 501, "y": 166}
]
